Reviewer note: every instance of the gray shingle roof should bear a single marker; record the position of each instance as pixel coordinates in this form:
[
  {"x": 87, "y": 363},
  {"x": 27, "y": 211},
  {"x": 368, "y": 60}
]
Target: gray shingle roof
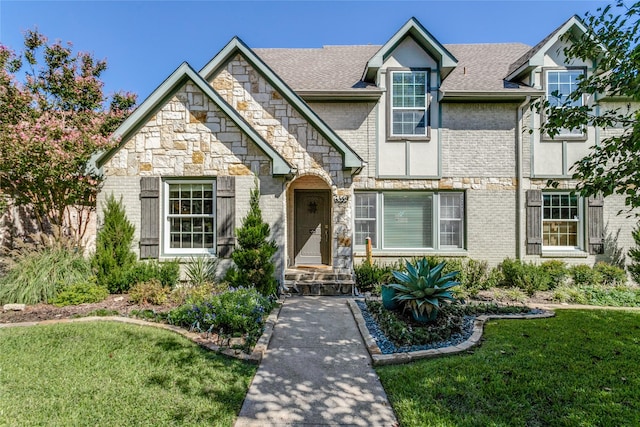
[
  {"x": 327, "y": 68},
  {"x": 481, "y": 67}
]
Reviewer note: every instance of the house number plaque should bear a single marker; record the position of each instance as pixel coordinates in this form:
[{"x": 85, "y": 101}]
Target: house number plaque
[{"x": 341, "y": 199}]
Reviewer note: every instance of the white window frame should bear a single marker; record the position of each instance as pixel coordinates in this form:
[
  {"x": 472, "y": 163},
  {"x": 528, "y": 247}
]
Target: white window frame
[
  {"x": 436, "y": 222},
  {"x": 374, "y": 220},
  {"x": 425, "y": 108},
  {"x": 166, "y": 218},
  {"x": 564, "y": 133},
  {"x": 579, "y": 221}
]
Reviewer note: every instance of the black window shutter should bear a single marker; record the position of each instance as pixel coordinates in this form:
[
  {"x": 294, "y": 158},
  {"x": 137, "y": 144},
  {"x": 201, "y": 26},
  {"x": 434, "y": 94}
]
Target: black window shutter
[
  {"x": 225, "y": 215},
  {"x": 149, "y": 217},
  {"x": 534, "y": 222},
  {"x": 595, "y": 216}
]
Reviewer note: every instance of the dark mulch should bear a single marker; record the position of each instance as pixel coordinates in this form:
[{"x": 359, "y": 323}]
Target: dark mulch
[{"x": 39, "y": 312}]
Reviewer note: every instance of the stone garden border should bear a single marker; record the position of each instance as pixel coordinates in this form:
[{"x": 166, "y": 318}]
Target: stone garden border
[
  {"x": 255, "y": 357},
  {"x": 379, "y": 359}
]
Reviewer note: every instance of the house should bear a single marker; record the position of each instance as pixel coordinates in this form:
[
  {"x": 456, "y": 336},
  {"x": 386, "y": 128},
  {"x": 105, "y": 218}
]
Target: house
[{"x": 423, "y": 147}]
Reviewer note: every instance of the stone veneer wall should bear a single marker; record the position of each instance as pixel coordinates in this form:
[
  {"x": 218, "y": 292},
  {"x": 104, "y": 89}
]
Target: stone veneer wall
[{"x": 276, "y": 120}]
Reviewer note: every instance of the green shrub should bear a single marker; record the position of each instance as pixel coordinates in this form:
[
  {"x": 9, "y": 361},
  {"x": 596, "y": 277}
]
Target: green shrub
[
  {"x": 80, "y": 293},
  {"x": 634, "y": 255},
  {"x": 113, "y": 257},
  {"x": 167, "y": 273},
  {"x": 584, "y": 275},
  {"x": 149, "y": 292},
  {"x": 510, "y": 295},
  {"x": 236, "y": 312},
  {"x": 188, "y": 294},
  {"x": 38, "y": 275},
  {"x": 611, "y": 275},
  {"x": 618, "y": 296},
  {"x": 368, "y": 275},
  {"x": 474, "y": 276},
  {"x": 557, "y": 271},
  {"x": 252, "y": 258},
  {"x": 569, "y": 294},
  {"x": 527, "y": 277},
  {"x": 201, "y": 270}
]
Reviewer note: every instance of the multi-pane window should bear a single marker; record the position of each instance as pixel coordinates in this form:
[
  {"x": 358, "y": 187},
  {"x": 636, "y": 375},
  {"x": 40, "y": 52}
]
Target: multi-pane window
[
  {"x": 561, "y": 84},
  {"x": 365, "y": 218},
  {"x": 561, "y": 220},
  {"x": 409, "y": 103},
  {"x": 190, "y": 208},
  {"x": 410, "y": 220},
  {"x": 451, "y": 213}
]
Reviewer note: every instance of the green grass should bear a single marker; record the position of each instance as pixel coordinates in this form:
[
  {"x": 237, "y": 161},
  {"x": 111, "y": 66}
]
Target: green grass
[
  {"x": 105, "y": 373},
  {"x": 577, "y": 369}
]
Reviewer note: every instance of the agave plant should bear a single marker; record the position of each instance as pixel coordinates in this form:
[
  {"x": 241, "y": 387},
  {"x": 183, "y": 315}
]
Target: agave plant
[{"x": 423, "y": 288}]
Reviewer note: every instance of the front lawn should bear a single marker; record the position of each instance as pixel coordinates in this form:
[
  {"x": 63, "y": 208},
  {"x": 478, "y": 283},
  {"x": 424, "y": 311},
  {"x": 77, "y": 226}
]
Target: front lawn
[
  {"x": 577, "y": 369},
  {"x": 105, "y": 373}
]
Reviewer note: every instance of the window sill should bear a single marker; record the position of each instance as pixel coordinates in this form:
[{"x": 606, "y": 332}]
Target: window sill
[
  {"x": 564, "y": 138},
  {"x": 421, "y": 138},
  {"x": 388, "y": 253},
  {"x": 564, "y": 254}
]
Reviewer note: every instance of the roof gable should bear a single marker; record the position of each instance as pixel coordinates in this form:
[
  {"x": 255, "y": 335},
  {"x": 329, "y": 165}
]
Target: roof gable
[
  {"x": 535, "y": 56},
  {"x": 237, "y": 46},
  {"x": 165, "y": 91},
  {"x": 447, "y": 62}
]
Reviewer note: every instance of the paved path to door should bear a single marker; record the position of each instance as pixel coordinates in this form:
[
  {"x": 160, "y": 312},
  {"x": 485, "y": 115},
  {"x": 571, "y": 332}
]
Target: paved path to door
[{"x": 316, "y": 372}]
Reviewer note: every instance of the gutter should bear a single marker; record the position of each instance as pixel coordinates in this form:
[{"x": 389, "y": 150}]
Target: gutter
[
  {"x": 487, "y": 95},
  {"x": 321, "y": 95},
  {"x": 519, "y": 177}
]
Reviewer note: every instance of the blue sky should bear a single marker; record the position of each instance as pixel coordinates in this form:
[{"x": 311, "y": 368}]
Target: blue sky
[{"x": 144, "y": 41}]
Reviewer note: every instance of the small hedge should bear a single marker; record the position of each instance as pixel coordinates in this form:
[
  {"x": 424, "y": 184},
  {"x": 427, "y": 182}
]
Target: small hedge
[
  {"x": 81, "y": 293},
  {"x": 237, "y": 312}
]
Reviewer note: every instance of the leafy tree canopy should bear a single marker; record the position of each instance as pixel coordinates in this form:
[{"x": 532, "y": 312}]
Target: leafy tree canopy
[
  {"x": 53, "y": 118},
  {"x": 613, "y": 167}
]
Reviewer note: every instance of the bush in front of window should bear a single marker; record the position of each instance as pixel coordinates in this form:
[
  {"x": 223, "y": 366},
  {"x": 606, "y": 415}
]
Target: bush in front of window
[
  {"x": 167, "y": 273},
  {"x": 113, "y": 257},
  {"x": 527, "y": 277},
  {"x": 253, "y": 265}
]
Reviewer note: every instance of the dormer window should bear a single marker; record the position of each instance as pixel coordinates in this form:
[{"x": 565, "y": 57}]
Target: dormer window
[
  {"x": 409, "y": 118},
  {"x": 559, "y": 85}
]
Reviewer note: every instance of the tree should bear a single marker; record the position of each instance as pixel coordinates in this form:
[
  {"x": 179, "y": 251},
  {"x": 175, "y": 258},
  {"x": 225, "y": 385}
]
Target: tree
[
  {"x": 634, "y": 255},
  {"x": 613, "y": 167},
  {"x": 50, "y": 126},
  {"x": 254, "y": 267},
  {"x": 113, "y": 257}
]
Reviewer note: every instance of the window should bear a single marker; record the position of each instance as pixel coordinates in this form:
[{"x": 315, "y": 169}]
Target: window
[
  {"x": 365, "y": 219},
  {"x": 451, "y": 210},
  {"x": 561, "y": 221},
  {"x": 560, "y": 84},
  {"x": 410, "y": 220},
  {"x": 190, "y": 220},
  {"x": 409, "y": 112}
]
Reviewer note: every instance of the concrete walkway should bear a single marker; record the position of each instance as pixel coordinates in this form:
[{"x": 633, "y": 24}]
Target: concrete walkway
[{"x": 316, "y": 372}]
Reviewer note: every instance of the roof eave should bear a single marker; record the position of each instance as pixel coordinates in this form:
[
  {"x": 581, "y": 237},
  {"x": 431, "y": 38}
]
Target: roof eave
[
  {"x": 461, "y": 95},
  {"x": 412, "y": 28},
  {"x": 167, "y": 89},
  {"x": 342, "y": 95}
]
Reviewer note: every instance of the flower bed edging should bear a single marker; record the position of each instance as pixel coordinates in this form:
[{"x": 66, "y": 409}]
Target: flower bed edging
[
  {"x": 379, "y": 359},
  {"x": 255, "y": 357}
]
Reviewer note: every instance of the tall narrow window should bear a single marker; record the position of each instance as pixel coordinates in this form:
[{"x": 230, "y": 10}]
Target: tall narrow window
[
  {"x": 190, "y": 208},
  {"x": 451, "y": 214},
  {"x": 409, "y": 103},
  {"x": 560, "y": 221},
  {"x": 365, "y": 218},
  {"x": 561, "y": 84}
]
